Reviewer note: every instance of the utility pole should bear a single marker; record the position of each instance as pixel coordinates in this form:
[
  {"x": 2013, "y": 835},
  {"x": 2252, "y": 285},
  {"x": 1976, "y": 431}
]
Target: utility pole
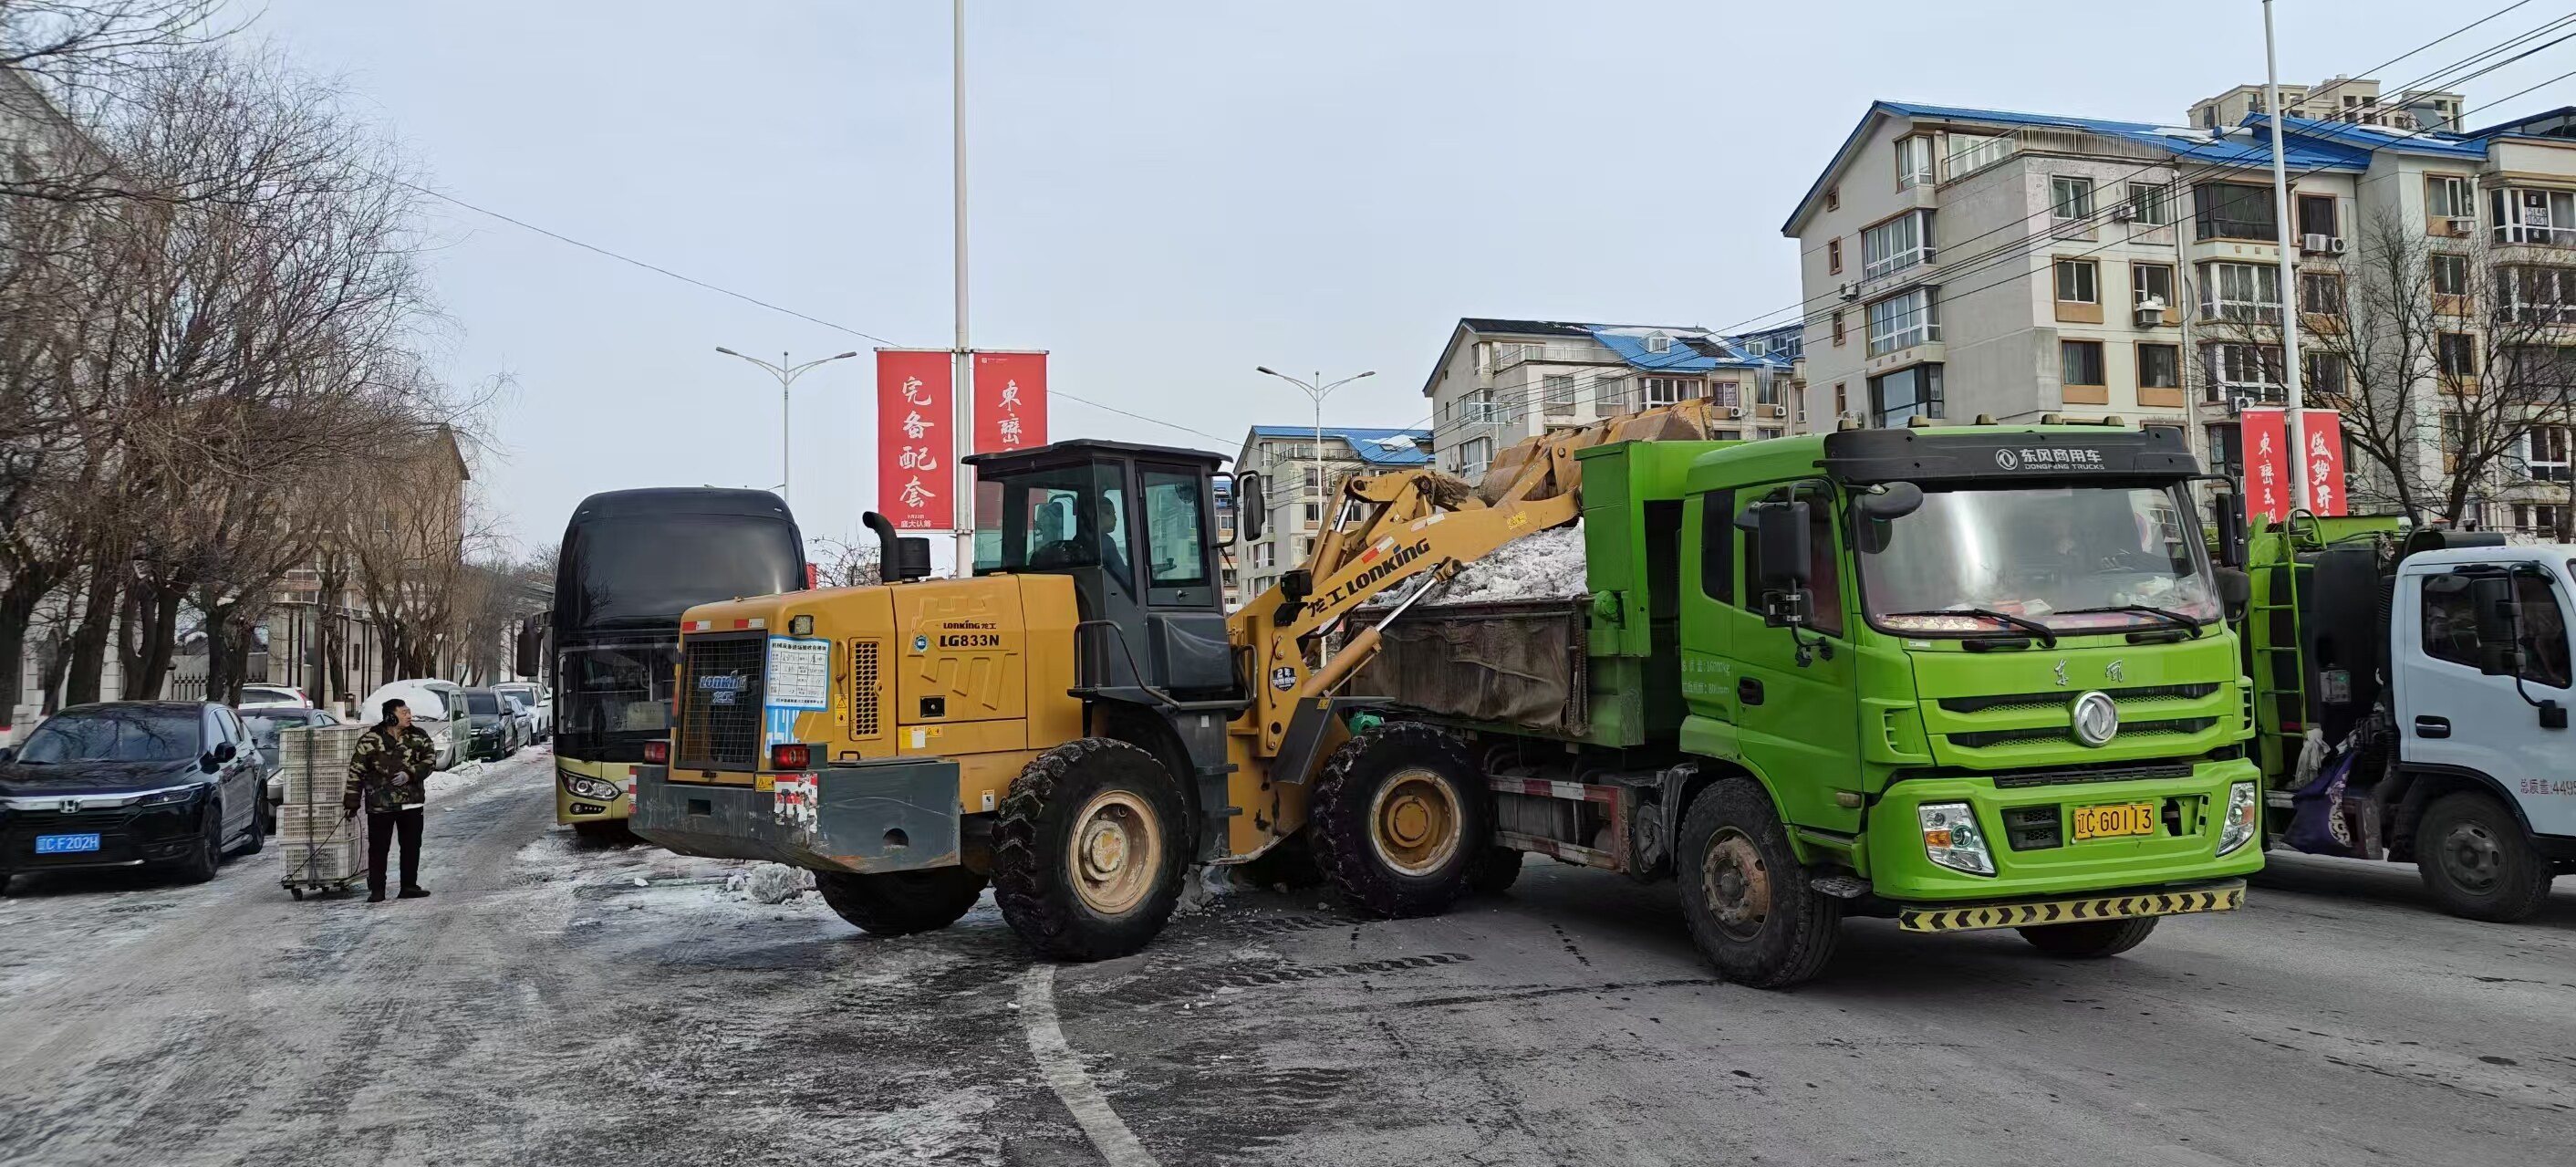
[
  {"x": 1319, "y": 391},
  {"x": 787, "y": 375},
  {"x": 962, "y": 386},
  {"x": 2299, "y": 500}
]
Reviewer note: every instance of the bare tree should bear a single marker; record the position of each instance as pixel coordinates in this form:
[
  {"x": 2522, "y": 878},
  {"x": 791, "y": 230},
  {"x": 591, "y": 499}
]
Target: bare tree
[{"x": 840, "y": 564}]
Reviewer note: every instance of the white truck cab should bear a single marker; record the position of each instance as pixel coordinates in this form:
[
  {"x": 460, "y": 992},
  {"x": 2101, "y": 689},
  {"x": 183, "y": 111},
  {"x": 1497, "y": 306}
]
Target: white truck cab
[{"x": 2483, "y": 677}]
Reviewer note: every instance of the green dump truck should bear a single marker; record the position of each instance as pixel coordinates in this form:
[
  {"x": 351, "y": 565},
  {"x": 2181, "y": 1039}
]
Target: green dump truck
[{"x": 1966, "y": 678}]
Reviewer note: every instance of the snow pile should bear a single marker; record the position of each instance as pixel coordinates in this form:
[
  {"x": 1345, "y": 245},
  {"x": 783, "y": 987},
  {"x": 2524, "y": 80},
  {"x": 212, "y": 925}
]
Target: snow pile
[
  {"x": 770, "y": 883},
  {"x": 1545, "y": 566},
  {"x": 1203, "y": 887}
]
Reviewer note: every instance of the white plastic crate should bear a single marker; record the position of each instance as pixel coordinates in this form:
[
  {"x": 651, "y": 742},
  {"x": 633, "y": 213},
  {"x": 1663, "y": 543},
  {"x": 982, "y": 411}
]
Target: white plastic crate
[
  {"x": 315, "y": 762},
  {"x": 310, "y": 863},
  {"x": 308, "y": 823}
]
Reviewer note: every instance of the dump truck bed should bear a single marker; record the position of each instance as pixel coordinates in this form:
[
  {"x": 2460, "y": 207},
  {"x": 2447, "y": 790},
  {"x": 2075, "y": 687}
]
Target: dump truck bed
[{"x": 1521, "y": 665}]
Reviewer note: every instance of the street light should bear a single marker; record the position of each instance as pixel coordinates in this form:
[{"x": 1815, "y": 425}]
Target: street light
[
  {"x": 1319, "y": 391},
  {"x": 787, "y": 375}
]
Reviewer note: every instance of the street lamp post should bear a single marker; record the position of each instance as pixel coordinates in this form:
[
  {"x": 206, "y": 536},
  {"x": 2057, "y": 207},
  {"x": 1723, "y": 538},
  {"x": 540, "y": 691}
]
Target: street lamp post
[
  {"x": 1319, "y": 391},
  {"x": 787, "y": 375}
]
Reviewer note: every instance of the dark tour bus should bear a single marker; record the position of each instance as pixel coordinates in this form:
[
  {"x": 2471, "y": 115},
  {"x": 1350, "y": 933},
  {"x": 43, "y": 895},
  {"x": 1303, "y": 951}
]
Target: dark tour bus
[{"x": 632, "y": 561}]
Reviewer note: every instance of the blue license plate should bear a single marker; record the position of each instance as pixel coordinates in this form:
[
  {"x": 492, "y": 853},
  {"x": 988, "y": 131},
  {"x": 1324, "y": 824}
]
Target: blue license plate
[{"x": 65, "y": 844}]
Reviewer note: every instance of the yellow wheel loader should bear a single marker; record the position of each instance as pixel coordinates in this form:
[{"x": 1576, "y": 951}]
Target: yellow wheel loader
[{"x": 1080, "y": 721}]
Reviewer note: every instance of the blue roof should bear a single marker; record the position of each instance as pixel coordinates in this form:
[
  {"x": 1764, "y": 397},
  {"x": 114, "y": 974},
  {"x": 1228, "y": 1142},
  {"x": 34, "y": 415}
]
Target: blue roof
[
  {"x": 2361, "y": 139},
  {"x": 1378, "y": 447},
  {"x": 2310, "y": 145},
  {"x": 1630, "y": 346}
]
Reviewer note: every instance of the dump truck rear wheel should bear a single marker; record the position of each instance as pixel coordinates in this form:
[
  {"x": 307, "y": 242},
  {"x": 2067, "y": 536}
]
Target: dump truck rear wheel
[
  {"x": 2092, "y": 939},
  {"x": 900, "y": 903},
  {"x": 1090, "y": 849},
  {"x": 1746, "y": 896},
  {"x": 1500, "y": 870},
  {"x": 1402, "y": 820},
  {"x": 2477, "y": 862}
]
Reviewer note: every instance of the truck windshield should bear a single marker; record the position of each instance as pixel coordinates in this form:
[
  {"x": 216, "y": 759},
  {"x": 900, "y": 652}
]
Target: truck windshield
[{"x": 2074, "y": 559}]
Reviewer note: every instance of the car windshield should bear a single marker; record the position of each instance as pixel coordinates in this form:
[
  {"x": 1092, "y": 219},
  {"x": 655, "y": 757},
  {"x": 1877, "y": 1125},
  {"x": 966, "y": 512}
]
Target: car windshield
[
  {"x": 482, "y": 702},
  {"x": 2071, "y": 558},
  {"x": 115, "y": 735}
]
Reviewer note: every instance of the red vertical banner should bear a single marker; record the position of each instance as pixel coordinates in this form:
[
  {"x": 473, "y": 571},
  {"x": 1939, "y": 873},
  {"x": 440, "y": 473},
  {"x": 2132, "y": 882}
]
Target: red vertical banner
[
  {"x": 916, "y": 442},
  {"x": 2321, "y": 431},
  {"x": 1010, "y": 401},
  {"x": 2267, "y": 464}
]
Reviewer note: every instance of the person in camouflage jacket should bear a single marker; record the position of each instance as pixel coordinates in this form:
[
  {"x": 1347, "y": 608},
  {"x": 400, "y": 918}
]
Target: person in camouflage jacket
[{"x": 388, "y": 770}]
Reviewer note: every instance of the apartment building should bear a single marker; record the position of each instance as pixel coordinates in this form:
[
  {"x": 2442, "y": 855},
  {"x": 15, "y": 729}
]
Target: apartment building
[
  {"x": 1499, "y": 381},
  {"x": 1298, "y": 481},
  {"x": 2354, "y": 100},
  {"x": 1961, "y": 262}
]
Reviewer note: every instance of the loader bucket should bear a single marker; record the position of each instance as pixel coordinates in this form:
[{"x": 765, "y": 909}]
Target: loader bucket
[{"x": 1544, "y": 466}]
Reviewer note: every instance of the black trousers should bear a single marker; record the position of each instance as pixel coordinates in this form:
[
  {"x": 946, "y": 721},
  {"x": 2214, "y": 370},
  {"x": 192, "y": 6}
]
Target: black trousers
[{"x": 381, "y": 828}]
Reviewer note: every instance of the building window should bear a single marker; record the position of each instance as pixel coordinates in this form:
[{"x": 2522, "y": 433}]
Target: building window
[
  {"x": 2320, "y": 293},
  {"x": 1913, "y": 162},
  {"x": 2446, "y": 196},
  {"x": 2159, "y": 366},
  {"x": 1766, "y": 433},
  {"x": 2241, "y": 291},
  {"x": 1838, "y": 326},
  {"x": 2078, "y": 281},
  {"x": 2227, "y": 450},
  {"x": 2324, "y": 375},
  {"x": 1909, "y": 392},
  {"x": 1314, "y": 515},
  {"x": 2459, "y": 354},
  {"x": 1265, "y": 554},
  {"x": 1896, "y": 245},
  {"x": 2544, "y": 454},
  {"x": 1505, "y": 354},
  {"x": 1669, "y": 390},
  {"x": 1727, "y": 435},
  {"x": 1609, "y": 395},
  {"x": 1902, "y": 322},
  {"x": 2541, "y": 375},
  {"x": 2235, "y": 210},
  {"x": 2537, "y": 295},
  {"x": 1969, "y": 152},
  {"x": 2151, "y": 285},
  {"x": 1474, "y": 455},
  {"x": 1766, "y": 390},
  {"x": 2545, "y": 217},
  {"x": 1658, "y": 343},
  {"x": 2537, "y": 518},
  {"x": 1724, "y": 393},
  {"x": 2251, "y": 372},
  {"x": 2148, "y": 204},
  {"x": 1833, "y": 198},
  {"x": 2071, "y": 197},
  {"x": 2450, "y": 275},
  {"x": 2317, "y": 216},
  {"x": 1842, "y": 400},
  {"x": 2081, "y": 362},
  {"x": 1833, "y": 257},
  {"x": 1560, "y": 394}
]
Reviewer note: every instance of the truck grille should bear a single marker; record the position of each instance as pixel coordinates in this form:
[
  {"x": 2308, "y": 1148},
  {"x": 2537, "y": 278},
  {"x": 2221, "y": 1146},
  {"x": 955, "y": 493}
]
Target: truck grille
[
  {"x": 863, "y": 688},
  {"x": 720, "y": 696},
  {"x": 2059, "y": 698},
  {"x": 1997, "y": 737}
]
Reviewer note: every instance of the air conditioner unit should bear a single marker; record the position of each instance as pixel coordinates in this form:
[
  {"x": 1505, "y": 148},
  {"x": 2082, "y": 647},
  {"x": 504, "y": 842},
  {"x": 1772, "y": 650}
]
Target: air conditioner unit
[
  {"x": 1771, "y": 410},
  {"x": 1735, "y": 413},
  {"x": 2150, "y": 314},
  {"x": 2315, "y": 243},
  {"x": 2336, "y": 246},
  {"x": 1848, "y": 291},
  {"x": 2462, "y": 227},
  {"x": 2124, "y": 213}
]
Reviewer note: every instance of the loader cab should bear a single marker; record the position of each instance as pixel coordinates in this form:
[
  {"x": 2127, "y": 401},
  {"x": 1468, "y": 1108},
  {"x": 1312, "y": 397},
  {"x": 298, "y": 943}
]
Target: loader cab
[{"x": 1135, "y": 527}]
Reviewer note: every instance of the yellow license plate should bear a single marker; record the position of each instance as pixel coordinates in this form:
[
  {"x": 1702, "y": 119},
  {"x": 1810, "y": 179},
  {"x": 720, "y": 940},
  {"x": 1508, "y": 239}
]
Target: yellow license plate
[{"x": 2116, "y": 821}]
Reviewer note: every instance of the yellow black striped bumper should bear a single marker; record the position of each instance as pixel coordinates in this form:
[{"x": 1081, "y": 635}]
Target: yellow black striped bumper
[{"x": 2216, "y": 896}]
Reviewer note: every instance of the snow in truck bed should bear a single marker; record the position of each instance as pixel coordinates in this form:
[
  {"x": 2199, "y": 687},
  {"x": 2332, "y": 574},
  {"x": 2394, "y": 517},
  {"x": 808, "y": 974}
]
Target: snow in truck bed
[{"x": 1545, "y": 566}]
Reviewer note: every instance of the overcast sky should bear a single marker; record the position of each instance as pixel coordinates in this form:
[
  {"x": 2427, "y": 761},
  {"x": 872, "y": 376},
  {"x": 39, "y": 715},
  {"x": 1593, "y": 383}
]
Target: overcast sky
[{"x": 1167, "y": 194}]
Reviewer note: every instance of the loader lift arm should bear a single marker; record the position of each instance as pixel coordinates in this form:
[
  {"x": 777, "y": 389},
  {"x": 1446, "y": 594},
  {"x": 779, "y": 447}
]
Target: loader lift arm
[{"x": 1389, "y": 529}]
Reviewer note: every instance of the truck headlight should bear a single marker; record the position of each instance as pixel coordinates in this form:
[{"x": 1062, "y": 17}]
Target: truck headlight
[
  {"x": 590, "y": 788},
  {"x": 2244, "y": 816},
  {"x": 1951, "y": 838}
]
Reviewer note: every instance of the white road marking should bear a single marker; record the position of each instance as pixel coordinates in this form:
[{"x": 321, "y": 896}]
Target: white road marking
[{"x": 1064, "y": 1072}]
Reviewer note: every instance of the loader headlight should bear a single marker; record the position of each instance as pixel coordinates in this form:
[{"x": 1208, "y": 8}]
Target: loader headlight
[
  {"x": 1951, "y": 838},
  {"x": 593, "y": 788},
  {"x": 2244, "y": 816}
]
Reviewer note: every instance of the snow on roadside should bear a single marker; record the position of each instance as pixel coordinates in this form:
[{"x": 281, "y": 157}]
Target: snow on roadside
[{"x": 770, "y": 883}]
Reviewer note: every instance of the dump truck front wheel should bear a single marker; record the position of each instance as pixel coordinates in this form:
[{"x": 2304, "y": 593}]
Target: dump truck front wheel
[
  {"x": 1402, "y": 820},
  {"x": 900, "y": 903},
  {"x": 1089, "y": 850},
  {"x": 1746, "y": 896},
  {"x": 2092, "y": 939}
]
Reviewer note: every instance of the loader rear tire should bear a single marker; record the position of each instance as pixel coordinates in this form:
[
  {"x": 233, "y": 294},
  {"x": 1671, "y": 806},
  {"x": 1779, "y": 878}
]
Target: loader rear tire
[
  {"x": 1402, "y": 820},
  {"x": 901, "y": 903},
  {"x": 1090, "y": 849},
  {"x": 1746, "y": 896}
]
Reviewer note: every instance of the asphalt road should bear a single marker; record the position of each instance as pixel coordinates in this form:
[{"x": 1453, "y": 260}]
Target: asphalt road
[{"x": 544, "y": 1008}]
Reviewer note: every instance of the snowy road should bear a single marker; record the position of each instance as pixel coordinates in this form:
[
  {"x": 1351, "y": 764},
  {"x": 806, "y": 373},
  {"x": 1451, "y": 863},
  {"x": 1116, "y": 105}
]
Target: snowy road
[{"x": 543, "y": 1008}]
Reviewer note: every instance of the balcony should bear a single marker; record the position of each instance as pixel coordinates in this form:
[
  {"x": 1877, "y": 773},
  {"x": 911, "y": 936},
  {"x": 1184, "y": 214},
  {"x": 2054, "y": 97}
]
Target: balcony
[{"x": 2535, "y": 235}]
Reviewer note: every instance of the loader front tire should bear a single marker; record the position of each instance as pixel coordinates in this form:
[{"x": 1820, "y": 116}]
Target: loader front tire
[
  {"x": 1402, "y": 820},
  {"x": 901, "y": 903},
  {"x": 1090, "y": 849}
]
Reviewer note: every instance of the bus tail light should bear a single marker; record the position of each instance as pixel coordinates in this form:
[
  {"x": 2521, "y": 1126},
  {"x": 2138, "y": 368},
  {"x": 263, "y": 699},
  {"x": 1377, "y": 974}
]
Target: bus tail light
[{"x": 657, "y": 753}]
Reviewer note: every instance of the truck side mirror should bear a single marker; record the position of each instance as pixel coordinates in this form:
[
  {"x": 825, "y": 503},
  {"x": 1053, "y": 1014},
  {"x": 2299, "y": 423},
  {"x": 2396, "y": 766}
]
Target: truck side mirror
[
  {"x": 528, "y": 659},
  {"x": 1251, "y": 508},
  {"x": 2231, "y": 530},
  {"x": 2498, "y": 617},
  {"x": 2235, "y": 589},
  {"x": 1781, "y": 545},
  {"x": 1879, "y": 507}
]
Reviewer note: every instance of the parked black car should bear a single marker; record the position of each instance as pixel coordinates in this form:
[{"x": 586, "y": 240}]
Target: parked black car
[
  {"x": 492, "y": 729},
  {"x": 171, "y": 784}
]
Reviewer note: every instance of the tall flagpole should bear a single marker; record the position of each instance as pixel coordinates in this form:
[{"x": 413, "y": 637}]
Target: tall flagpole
[
  {"x": 2298, "y": 458},
  {"x": 962, "y": 387}
]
